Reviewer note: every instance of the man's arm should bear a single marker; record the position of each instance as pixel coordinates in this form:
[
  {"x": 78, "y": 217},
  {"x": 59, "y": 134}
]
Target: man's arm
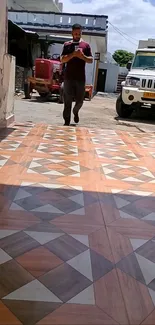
[
  {"x": 65, "y": 56},
  {"x": 87, "y": 56}
]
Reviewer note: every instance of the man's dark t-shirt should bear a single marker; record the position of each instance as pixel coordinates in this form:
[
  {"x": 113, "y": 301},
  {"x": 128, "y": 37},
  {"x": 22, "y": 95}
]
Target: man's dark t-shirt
[{"x": 75, "y": 68}]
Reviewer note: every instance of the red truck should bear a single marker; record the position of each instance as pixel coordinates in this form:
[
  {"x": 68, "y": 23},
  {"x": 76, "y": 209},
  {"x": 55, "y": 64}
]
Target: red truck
[{"x": 48, "y": 78}]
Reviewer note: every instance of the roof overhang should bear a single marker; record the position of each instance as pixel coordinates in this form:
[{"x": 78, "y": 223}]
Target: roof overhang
[{"x": 17, "y": 32}]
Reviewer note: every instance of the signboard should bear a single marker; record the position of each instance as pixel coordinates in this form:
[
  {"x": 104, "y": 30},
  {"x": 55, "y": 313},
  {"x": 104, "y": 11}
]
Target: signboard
[{"x": 97, "y": 56}]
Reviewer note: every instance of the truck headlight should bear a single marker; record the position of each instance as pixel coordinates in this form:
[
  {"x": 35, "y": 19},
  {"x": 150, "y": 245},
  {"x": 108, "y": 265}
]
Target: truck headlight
[{"x": 132, "y": 82}]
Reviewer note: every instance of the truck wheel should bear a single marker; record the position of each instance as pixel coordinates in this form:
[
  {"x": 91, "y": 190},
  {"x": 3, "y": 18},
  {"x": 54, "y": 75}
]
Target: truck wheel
[
  {"x": 122, "y": 109},
  {"x": 43, "y": 95}
]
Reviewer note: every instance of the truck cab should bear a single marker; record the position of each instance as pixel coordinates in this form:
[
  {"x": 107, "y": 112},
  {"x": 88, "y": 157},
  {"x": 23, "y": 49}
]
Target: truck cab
[{"x": 139, "y": 87}]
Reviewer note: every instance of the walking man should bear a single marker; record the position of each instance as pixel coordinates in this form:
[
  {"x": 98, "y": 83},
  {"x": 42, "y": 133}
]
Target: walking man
[{"x": 75, "y": 54}]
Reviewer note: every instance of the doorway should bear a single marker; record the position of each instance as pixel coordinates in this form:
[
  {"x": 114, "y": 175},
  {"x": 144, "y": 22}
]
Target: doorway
[{"x": 102, "y": 73}]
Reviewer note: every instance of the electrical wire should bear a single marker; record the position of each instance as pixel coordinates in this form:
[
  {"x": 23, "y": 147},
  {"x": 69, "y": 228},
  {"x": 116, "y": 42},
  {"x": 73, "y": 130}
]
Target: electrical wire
[{"x": 123, "y": 34}]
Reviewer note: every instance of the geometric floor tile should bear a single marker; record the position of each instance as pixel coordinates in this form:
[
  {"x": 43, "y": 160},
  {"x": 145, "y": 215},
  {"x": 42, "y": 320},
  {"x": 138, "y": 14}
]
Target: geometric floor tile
[
  {"x": 82, "y": 239},
  {"x": 4, "y": 257},
  {"x": 147, "y": 251},
  {"x": 18, "y": 244},
  {"x": 3, "y": 160},
  {"x": 28, "y": 312},
  {"x": 33, "y": 291},
  {"x": 7, "y": 317},
  {"x": 6, "y": 233},
  {"x": 100, "y": 265},
  {"x": 131, "y": 266},
  {"x": 86, "y": 297},
  {"x": 82, "y": 263},
  {"x": 10, "y": 145},
  {"x": 18, "y": 278},
  {"x": 78, "y": 314},
  {"x": 77, "y": 226},
  {"x": 43, "y": 237},
  {"x": 66, "y": 247},
  {"x": 55, "y": 168},
  {"x": 39, "y": 261},
  {"x": 137, "y": 243},
  {"x": 74, "y": 282}
]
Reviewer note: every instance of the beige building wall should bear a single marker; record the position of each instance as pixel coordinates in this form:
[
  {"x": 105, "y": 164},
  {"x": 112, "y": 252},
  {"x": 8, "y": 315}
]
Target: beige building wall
[
  {"x": 7, "y": 72},
  {"x": 36, "y": 5}
]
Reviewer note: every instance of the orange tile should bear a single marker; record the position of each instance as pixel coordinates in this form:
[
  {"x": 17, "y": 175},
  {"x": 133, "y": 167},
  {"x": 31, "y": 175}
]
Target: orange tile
[
  {"x": 78, "y": 314},
  {"x": 109, "y": 297},
  {"x": 136, "y": 297},
  {"x": 99, "y": 242},
  {"x": 6, "y": 316}
]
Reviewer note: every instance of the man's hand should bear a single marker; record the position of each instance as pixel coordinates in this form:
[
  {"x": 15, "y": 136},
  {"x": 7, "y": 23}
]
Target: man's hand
[{"x": 79, "y": 54}]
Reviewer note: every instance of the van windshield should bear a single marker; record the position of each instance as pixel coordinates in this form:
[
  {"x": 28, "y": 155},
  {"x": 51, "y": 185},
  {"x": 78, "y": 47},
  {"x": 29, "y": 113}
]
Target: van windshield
[{"x": 144, "y": 60}]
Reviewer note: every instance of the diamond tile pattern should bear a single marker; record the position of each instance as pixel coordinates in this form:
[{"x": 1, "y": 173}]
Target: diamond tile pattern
[{"x": 77, "y": 226}]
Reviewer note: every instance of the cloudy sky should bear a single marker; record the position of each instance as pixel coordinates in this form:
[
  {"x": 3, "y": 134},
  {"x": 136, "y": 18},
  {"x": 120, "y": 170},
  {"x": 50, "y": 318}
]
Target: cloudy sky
[{"x": 135, "y": 19}]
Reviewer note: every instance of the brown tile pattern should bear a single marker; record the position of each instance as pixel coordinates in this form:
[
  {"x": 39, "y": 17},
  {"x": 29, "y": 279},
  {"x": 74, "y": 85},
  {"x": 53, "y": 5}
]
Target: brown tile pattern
[{"x": 77, "y": 226}]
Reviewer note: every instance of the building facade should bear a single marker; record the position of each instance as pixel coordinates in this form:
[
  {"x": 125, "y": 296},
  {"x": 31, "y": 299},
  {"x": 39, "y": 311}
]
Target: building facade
[
  {"x": 36, "y": 5},
  {"x": 95, "y": 29},
  {"x": 149, "y": 43},
  {"x": 7, "y": 71}
]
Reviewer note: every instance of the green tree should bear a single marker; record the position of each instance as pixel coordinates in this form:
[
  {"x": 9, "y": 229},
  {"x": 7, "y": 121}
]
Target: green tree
[{"x": 122, "y": 57}]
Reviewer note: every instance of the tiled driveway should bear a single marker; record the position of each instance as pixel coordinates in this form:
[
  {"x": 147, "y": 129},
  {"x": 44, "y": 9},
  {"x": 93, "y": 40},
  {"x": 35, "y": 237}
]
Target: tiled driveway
[{"x": 77, "y": 226}]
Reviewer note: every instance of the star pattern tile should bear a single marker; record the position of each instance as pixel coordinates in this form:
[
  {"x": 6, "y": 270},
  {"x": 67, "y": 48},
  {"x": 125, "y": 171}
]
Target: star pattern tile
[{"x": 77, "y": 226}]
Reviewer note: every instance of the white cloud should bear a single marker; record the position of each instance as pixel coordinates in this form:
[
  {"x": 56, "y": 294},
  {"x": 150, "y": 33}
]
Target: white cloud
[{"x": 133, "y": 17}]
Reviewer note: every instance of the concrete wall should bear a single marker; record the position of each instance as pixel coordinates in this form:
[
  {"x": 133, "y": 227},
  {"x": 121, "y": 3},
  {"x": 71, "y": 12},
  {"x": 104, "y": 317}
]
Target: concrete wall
[
  {"x": 146, "y": 43},
  {"x": 36, "y": 5},
  {"x": 112, "y": 76},
  {"x": 7, "y": 71}
]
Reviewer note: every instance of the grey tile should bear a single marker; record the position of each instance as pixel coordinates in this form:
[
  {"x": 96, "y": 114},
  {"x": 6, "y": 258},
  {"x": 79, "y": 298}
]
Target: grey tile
[
  {"x": 147, "y": 251},
  {"x": 131, "y": 266},
  {"x": 100, "y": 265}
]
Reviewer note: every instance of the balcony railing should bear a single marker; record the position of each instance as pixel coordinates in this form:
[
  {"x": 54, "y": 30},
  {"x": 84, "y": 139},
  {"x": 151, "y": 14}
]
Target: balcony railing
[{"x": 62, "y": 21}]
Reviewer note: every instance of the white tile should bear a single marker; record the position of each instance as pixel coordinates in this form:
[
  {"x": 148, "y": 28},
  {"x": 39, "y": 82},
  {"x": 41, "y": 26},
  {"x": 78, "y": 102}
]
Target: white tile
[
  {"x": 5, "y": 233},
  {"x": 48, "y": 209},
  {"x": 16, "y": 207},
  {"x": 80, "y": 212},
  {"x": 78, "y": 188},
  {"x": 54, "y": 173},
  {"x": 152, "y": 294},
  {"x": 52, "y": 186},
  {"x": 147, "y": 267},
  {"x": 125, "y": 215},
  {"x": 132, "y": 179},
  {"x": 4, "y": 257},
  {"x": 43, "y": 237},
  {"x": 57, "y": 153},
  {"x": 149, "y": 174},
  {"x": 150, "y": 216},
  {"x": 78, "y": 199},
  {"x": 107, "y": 170},
  {"x": 34, "y": 164},
  {"x": 82, "y": 263},
  {"x": 82, "y": 239},
  {"x": 75, "y": 168},
  {"x": 3, "y": 162},
  {"x": 33, "y": 291},
  {"x": 86, "y": 297},
  {"x": 120, "y": 202},
  {"x": 30, "y": 171},
  {"x": 21, "y": 194},
  {"x": 136, "y": 243},
  {"x": 140, "y": 193},
  {"x": 75, "y": 175}
]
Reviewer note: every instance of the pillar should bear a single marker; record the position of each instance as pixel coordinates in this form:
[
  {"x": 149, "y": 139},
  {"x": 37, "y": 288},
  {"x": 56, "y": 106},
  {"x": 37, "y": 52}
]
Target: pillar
[{"x": 7, "y": 71}]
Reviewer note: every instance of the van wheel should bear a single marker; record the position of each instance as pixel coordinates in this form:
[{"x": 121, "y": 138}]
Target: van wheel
[{"x": 122, "y": 109}]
